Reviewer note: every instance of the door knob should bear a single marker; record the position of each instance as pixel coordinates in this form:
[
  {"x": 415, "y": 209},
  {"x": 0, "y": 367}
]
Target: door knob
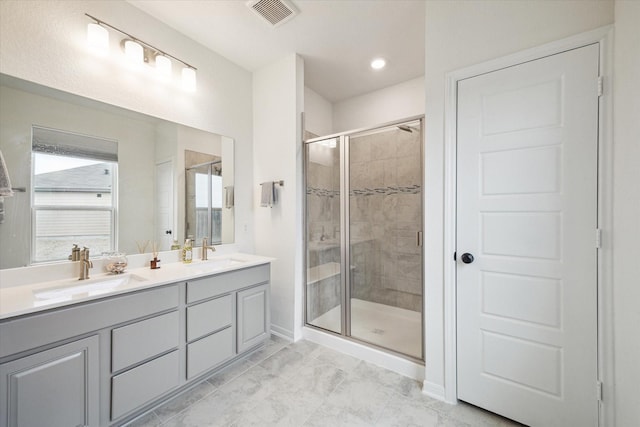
[
  {"x": 167, "y": 232},
  {"x": 467, "y": 258}
]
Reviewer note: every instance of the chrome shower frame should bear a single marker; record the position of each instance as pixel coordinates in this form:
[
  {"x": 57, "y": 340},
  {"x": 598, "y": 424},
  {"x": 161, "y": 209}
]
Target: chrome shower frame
[{"x": 345, "y": 252}]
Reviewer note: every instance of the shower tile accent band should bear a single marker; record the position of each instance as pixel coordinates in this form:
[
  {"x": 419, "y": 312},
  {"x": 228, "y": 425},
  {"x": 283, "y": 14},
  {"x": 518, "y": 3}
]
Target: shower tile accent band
[{"x": 410, "y": 189}]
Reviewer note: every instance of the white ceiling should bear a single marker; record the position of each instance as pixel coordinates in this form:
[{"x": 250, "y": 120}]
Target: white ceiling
[{"x": 336, "y": 38}]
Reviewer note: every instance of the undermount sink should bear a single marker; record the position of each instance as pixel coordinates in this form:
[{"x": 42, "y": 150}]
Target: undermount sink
[
  {"x": 91, "y": 287},
  {"x": 213, "y": 264}
]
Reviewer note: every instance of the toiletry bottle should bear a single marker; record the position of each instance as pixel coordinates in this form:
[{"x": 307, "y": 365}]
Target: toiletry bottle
[
  {"x": 175, "y": 245},
  {"x": 187, "y": 252}
]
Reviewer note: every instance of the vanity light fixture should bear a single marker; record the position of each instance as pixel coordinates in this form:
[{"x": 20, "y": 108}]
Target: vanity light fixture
[
  {"x": 98, "y": 38},
  {"x": 140, "y": 52},
  {"x": 378, "y": 63},
  {"x": 133, "y": 51},
  {"x": 163, "y": 66}
]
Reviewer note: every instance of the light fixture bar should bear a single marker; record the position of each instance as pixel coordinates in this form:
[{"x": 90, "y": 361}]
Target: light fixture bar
[{"x": 101, "y": 22}]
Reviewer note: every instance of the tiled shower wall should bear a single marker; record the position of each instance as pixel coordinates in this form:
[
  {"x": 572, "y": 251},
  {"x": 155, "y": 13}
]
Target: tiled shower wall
[{"x": 385, "y": 218}]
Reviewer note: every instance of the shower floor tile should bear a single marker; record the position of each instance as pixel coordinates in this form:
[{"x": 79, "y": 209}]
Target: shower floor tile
[{"x": 390, "y": 327}]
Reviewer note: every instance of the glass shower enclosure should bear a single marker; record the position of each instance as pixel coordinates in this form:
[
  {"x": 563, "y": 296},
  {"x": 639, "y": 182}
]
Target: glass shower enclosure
[
  {"x": 364, "y": 236},
  {"x": 203, "y": 210}
]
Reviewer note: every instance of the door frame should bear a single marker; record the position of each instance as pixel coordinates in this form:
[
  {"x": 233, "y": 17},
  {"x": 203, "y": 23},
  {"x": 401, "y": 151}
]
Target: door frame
[{"x": 604, "y": 37}]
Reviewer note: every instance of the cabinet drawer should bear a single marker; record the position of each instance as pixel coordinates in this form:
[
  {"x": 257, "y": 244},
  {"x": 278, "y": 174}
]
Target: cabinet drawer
[
  {"x": 223, "y": 283},
  {"x": 142, "y": 384},
  {"x": 209, "y": 316},
  {"x": 142, "y": 340},
  {"x": 209, "y": 352}
]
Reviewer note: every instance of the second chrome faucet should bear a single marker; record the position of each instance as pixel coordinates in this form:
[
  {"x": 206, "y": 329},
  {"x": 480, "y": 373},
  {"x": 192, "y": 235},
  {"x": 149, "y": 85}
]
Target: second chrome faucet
[
  {"x": 85, "y": 264},
  {"x": 205, "y": 249}
]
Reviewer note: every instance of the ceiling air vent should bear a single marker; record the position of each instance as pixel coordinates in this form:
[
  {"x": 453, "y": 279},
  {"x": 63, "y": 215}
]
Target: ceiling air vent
[{"x": 276, "y": 12}]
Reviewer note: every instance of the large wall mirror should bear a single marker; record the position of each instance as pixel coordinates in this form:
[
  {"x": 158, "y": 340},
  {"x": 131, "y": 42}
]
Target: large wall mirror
[{"x": 104, "y": 177}]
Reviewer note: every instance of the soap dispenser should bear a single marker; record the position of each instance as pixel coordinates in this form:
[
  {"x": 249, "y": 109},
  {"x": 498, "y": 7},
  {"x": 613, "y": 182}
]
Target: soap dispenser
[{"x": 187, "y": 252}]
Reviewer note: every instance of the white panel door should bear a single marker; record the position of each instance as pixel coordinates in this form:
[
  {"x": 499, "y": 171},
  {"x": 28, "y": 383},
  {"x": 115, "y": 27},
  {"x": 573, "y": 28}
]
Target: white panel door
[
  {"x": 164, "y": 206},
  {"x": 527, "y": 213}
]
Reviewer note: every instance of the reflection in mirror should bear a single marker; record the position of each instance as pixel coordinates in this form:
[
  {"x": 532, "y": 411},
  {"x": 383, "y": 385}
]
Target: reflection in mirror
[
  {"x": 73, "y": 180},
  {"x": 203, "y": 210},
  {"x": 146, "y": 203}
]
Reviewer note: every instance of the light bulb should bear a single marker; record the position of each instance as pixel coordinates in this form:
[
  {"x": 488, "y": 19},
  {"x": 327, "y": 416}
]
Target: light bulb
[
  {"x": 134, "y": 51},
  {"x": 378, "y": 63},
  {"x": 98, "y": 38},
  {"x": 189, "y": 79},
  {"x": 163, "y": 66}
]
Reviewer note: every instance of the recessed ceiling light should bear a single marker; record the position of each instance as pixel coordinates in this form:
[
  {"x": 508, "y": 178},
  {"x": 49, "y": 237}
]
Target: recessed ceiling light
[{"x": 378, "y": 63}]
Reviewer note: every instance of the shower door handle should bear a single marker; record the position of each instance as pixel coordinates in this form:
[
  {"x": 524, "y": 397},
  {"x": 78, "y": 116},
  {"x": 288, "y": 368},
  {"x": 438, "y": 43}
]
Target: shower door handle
[{"x": 419, "y": 239}]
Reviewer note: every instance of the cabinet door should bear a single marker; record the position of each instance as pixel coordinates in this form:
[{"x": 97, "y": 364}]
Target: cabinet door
[
  {"x": 253, "y": 317},
  {"x": 54, "y": 388}
]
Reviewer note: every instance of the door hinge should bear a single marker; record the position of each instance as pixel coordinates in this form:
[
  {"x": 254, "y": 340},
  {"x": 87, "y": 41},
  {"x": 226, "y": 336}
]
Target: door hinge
[
  {"x": 600, "y": 85},
  {"x": 598, "y": 238},
  {"x": 599, "y": 390}
]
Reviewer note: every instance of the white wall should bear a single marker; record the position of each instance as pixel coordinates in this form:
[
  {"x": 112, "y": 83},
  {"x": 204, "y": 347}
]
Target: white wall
[
  {"x": 459, "y": 34},
  {"x": 396, "y": 102},
  {"x": 44, "y": 42},
  {"x": 277, "y": 89},
  {"x": 626, "y": 238},
  {"x": 318, "y": 113}
]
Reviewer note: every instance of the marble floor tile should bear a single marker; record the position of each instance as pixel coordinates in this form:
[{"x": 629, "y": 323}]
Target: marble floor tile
[
  {"x": 230, "y": 372},
  {"x": 402, "y": 412},
  {"x": 273, "y": 346},
  {"x": 316, "y": 378},
  {"x": 471, "y": 415},
  {"x": 339, "y": 360},
  {"x": 357, "y": 398},
  {"x": 304, "y": 347},
  {"x": 185, "y": 400},
  {"x": 336, "y": 417},
  {"x": 398, "y": 383},
  {"x": 283, "y": 363},
  {"x": 284, "y": 408},
  {"x": 304, "y": 384}
]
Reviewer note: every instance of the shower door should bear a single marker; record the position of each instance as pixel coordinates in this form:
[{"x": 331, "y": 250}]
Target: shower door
[
  {"x": 325, "y": 278},
  {"x": 364, "y": 211},
  {"x": 385, "y": 237}
]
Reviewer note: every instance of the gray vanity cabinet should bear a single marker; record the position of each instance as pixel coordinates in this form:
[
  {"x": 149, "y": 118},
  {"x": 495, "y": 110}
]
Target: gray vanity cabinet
[
  {"x": 105, "y": 362},
  {"x": 253, "y": 316},
  {"x": 55, "y": 387},
  {"x": 221, "y": 309}
]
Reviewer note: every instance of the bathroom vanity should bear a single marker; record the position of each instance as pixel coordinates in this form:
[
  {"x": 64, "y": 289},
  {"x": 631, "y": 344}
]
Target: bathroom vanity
[{"x": 110, "y": 352}]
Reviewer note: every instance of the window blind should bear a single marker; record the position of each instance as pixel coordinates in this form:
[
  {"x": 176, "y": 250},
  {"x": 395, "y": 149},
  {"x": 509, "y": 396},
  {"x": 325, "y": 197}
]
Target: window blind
[{"x": 62, "y": 143}]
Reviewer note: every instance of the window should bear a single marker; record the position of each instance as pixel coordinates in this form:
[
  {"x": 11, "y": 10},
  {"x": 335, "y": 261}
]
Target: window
[{"x": 74, "y": 178}]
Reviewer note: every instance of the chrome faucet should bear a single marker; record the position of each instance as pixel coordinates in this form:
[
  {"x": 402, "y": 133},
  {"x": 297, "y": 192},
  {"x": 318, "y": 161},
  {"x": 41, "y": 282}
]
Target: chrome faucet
[
  {"x": 85, "y": 264},
  {"x": 205, "y": 249}
]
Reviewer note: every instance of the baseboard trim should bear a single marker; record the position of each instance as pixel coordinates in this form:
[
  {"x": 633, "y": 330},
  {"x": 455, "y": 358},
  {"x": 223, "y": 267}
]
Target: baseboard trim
[
  {"x": 435, "y": 391},
  {"x": 282, "y": 333}
]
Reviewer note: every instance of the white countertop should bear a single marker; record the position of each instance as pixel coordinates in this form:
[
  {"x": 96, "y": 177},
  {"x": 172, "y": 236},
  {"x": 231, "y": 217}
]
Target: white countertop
[{"x": 26, "y": 298}]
